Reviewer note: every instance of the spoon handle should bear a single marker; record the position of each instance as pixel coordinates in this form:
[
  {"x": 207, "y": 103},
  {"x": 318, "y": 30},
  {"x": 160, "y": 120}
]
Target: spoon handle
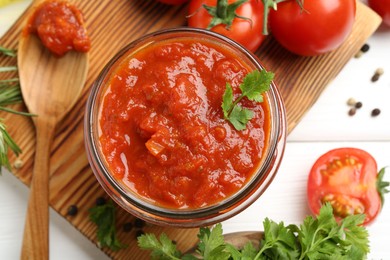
[{"x": 36, "y": 232}]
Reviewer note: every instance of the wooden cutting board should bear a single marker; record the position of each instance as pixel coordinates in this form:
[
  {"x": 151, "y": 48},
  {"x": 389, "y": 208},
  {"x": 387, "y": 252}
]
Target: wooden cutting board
[{"x": 114, "y": 23}]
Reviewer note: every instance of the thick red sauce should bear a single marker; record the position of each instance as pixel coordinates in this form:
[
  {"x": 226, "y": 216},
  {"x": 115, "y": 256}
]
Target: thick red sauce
[
  {"x": 162, "y": 128},
  {"x": 60, "y": 27}
]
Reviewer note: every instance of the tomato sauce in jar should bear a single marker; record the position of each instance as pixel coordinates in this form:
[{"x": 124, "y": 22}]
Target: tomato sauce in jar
[
  {"x": 60, "y": 27},
  {"x": 161, "y": 125}
]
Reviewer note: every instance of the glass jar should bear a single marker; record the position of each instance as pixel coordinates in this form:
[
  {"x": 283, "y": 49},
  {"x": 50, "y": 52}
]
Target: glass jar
[{"x": 184, "y": 217}]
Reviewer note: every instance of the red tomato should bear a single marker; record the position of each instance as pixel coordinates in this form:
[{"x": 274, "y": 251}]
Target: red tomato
[
  {"x": 173, "y": 2},
  {"x": 347, "y": 178},
  {"x": 247, "y": 32},
  {"x": 321, "y": 27},
  {"x": 382, "y": 7}
]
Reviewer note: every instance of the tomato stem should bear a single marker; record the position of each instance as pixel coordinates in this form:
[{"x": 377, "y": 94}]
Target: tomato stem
[
  {"x": 382, "y": 185},
  {"x": 267, "y": 5},
  {"x": 274, "y": 5},
  {"x": 224, "y": 13}
]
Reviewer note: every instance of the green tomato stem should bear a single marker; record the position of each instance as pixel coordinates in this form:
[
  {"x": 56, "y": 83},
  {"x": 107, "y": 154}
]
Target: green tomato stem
[
  {"x": 382, "y": 186},
  {"x": 267, "y": 5},
  {"x": 273, "y": 4},
  {"x": 223, "y": 12}
]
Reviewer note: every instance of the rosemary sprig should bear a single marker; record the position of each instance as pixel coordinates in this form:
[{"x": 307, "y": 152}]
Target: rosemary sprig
[
  {"x": 6, "y": 142},
  {"x": 10, "y": 93},
  {"x": 8, "y": 68},
  {"x": 6, "y": 82},
  {"x": 7, "y": 52}
]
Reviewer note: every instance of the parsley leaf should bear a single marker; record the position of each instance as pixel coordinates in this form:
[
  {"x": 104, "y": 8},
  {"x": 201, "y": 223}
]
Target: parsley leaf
[
  {"x": 316, "y": 238},
  {"x": 324, "y": 238},
  {"x": 212, "y": 245},
  {"x": 161, "y": 249},
  {"x": 248, "y": 252},
  {"x": 356, "y": 235},
  {"x": 104, "y": 217},
  {"x": 253, "y": 86},
  {"x": 278, "y": 242},
  {"x": 227, "y": 100},
  {"x": 239, "y": 117}
]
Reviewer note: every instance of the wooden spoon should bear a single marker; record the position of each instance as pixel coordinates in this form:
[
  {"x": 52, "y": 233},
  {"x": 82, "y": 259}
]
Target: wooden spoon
[{"x": 50, "y": 87}]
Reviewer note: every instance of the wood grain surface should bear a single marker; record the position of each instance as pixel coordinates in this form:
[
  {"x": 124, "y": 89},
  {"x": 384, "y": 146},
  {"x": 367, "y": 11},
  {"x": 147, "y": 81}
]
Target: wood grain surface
[{"x": 112, "y": 24}]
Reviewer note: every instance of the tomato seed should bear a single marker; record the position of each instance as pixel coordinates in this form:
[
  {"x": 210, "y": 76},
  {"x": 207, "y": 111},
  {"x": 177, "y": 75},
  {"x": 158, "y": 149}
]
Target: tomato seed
[{"x": 375, "y": 112}]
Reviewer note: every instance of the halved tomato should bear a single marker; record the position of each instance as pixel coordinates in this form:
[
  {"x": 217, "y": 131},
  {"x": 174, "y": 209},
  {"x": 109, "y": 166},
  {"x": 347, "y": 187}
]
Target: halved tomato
[{"x": 348, "y": 179}]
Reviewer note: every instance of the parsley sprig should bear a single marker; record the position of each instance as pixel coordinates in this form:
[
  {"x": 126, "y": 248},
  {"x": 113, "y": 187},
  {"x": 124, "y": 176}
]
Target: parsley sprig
[
  {"x": 316, "y": 238},
  {"x": 253, "y": 86},
  {"x": 9, "y": 94},
  {"x": 104, "y": 217},
  {"x": 162, "y": 248}
]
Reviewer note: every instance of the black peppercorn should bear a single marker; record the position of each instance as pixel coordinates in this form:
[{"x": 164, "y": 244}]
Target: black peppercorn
[
  {"x": 139, "y": 223},
  {"x": 375, "y": 77},
  {"x": 100, "y": 201},
  {"x": 375, "y": 112},
  {"x": 365, "y": 47},
  {"x": 127, "y": 227},
  {"x": 72, "y": 210},
  {"x": 138, "y": 233},
  {"x": 358, "y": 104},
  {"x": 377, "y": 74}
]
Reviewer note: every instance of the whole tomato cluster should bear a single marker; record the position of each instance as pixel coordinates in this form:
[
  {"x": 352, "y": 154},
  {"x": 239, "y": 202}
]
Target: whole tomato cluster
[{"x": 308, "y": 28}]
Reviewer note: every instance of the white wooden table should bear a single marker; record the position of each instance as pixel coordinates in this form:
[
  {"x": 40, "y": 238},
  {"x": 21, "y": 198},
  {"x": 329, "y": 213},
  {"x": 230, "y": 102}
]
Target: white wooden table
[{"x": 326, "y": 126}]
